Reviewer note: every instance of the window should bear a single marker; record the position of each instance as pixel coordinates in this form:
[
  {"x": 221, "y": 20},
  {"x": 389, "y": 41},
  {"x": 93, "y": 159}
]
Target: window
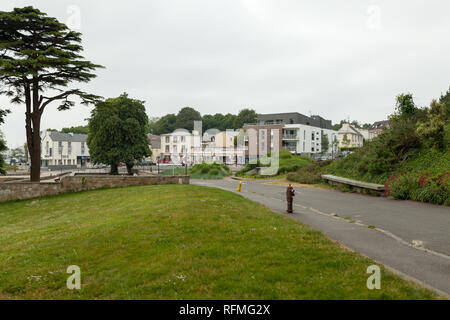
[
  {"x": 313, "y": 136},
  {"x": 82, "y": 147},
  {"x": 291, "y": 121},
  {"x": 304, "y": 136},
  {"x": 46, "y": 147},
  {"x": 69, "y": 148},
  {"x": 183, "y": 149},
  {"x": 60, "y": 147},
  {"x": 175, "y": 139},
  {"x": 183, "y": 139},
  {"x": 304, "y": 146},
  {"x": 175, "y": 149},
  {"x": 167, "y": 148},
  {"x": 167, "y": 139},
  {"x": 312, "y": 149}
]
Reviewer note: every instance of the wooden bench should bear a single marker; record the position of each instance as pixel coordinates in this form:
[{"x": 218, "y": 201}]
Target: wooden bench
[{"x": 359, "y": 186}]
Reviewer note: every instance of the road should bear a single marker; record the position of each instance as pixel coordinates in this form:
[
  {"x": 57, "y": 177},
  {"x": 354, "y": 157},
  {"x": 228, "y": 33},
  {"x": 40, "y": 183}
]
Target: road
[{"x": 410, "y": 238}]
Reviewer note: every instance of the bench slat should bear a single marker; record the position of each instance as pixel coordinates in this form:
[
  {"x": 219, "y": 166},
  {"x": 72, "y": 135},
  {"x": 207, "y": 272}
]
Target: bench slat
[{"x": 361, "y": 184}]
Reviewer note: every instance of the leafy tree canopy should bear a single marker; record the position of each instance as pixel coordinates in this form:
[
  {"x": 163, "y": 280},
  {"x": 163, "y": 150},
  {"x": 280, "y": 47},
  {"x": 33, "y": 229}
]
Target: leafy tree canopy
[
  {"x": 76, "y": 130},
  {"x": 186, "y": 118},
  {"x": 118, "y": 132}
]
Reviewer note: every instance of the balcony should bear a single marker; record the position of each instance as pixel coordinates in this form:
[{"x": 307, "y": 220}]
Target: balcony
[{"x": 290, "y": 137}]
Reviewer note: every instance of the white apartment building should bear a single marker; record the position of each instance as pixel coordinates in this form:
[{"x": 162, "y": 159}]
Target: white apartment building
[
  {"x": 64, "y": 150},
  {"x": 304, "y": 139}
]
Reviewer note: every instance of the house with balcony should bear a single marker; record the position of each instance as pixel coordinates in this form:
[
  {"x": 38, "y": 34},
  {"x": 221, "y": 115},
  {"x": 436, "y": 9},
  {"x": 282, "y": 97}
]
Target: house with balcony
[
  {"x": 307, "y": 140},
  {"x": 64, "y": 151}
]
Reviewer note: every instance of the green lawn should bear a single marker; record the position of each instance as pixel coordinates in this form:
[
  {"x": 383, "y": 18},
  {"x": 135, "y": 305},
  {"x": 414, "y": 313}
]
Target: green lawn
[{"x": 175, "y": 242}]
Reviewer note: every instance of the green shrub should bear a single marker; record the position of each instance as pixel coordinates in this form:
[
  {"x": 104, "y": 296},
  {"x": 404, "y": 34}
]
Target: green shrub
[
  {"x": 209, "y": 171},
  {"x": 214, "y": 172},
  {"x": 311, "y": 174},
  {"x": 420, "y": 187}
]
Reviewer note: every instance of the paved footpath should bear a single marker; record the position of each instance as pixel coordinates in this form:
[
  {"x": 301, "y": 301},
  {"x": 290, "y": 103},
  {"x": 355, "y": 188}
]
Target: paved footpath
[{"x": 410, "y": 238}]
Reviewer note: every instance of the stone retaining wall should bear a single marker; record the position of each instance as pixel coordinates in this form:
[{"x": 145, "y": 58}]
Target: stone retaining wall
[{"x": 27, "y": 190}]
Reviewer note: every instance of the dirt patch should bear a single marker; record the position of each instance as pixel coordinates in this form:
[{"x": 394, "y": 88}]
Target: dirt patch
[{"x": 285, "y": 182}]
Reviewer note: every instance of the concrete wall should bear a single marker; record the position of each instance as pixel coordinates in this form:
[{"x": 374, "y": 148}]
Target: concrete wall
[{"x": 27, "y": 190}]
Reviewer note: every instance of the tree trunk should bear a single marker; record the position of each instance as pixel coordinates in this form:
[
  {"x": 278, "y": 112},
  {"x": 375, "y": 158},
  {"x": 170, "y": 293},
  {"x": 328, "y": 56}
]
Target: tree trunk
[
  {"x": 114, "y": 169},
  {"x": 35, "y": 149},
  {"x": 130, "y": 168}
]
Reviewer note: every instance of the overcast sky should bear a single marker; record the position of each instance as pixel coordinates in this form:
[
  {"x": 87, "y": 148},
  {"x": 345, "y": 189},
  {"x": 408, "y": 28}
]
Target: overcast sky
[{"x": 338, "y": 59}]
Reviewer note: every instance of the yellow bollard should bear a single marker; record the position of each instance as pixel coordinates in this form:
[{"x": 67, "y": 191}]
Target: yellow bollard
[{"x": 239, "y": 189}]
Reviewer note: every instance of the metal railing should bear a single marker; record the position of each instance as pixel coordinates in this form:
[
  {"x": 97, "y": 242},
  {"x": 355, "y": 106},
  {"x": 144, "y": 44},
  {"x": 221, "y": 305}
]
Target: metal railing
[{"x": 290, "y": 136}]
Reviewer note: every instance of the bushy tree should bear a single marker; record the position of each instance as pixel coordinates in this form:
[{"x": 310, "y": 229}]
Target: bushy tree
[
  {"x": 405, "y": 105},
  {"x": 117, "y": 132},
  {"x": 40, "y": 55},
  {"x": 432, "y": 129},
  {"x": 164, "y": 125},
  {"x": 245, "y": 116},
  {"x": 325, "y": 143},
  {"x": 186, "y": 118}
]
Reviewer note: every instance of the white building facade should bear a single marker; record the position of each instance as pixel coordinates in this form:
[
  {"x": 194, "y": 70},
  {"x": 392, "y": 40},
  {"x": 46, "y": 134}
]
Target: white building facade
[
  {"x": 64, "y": 150},
  {"x": 303, "y": 139},
  {"x": 181, "y": 147}
]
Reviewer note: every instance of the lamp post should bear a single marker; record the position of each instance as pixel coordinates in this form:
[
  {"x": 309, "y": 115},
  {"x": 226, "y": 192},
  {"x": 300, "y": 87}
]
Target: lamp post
[{"x": 61, "y": 158}]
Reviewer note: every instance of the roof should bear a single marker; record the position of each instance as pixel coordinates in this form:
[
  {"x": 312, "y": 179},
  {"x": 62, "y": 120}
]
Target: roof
[
  {"x": 348, "y": 128},
  {"x": 380, "y": 124},
  {"x": 211, "y": 132},
  {"x": 69, "y": 137}
]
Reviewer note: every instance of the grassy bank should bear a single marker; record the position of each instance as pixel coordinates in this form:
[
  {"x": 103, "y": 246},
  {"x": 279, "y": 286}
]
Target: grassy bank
[
  {"x": 175, "y": 242},
  {"x": 288, "y": 163}
]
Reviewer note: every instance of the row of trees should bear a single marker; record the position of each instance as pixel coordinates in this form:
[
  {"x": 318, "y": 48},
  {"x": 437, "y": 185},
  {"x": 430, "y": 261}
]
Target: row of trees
[
  {"x": 354, "y": 123},
  {"x": 186, "y": 117}
]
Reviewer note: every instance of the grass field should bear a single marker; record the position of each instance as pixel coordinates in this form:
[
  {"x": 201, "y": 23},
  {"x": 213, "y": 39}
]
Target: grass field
[{"x": 175, "y": 242}]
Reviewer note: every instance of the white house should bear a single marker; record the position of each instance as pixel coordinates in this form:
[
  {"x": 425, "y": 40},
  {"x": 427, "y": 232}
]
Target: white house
[
  {"x": 350, "y": 137},
  {"x": 64, "y": 150}
]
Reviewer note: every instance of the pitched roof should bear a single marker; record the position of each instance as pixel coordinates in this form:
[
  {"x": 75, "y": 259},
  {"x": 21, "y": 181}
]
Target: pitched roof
[
  {"x": 348, "y": 128},
  {"x": 58, "y": 136}
]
